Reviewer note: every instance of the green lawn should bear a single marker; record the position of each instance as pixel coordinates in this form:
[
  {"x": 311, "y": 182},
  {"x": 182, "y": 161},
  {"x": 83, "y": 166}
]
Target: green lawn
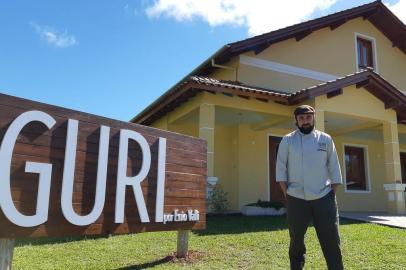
[{"x": 230, "y": 242}]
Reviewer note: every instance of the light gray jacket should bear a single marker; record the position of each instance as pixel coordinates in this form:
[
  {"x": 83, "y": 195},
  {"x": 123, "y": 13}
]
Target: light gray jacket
[{"x": 308, "y": 163}]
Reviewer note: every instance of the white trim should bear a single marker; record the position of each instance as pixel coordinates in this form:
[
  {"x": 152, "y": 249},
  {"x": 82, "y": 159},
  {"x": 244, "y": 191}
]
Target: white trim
[
  {"x": 394, "y": 187},
  {"x": 366, "y": 166},
  {"x": 391, "y": 143},
  {"x": 267, "y": 162},
  {"x": 209, "y": 128},
  {"x": 374, "y": 56},
  {"x": 287, "y": 69}
]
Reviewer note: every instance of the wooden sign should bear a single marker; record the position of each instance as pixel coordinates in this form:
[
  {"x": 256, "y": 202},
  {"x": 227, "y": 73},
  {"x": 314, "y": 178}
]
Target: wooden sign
[{"x": 66, "y": 173}]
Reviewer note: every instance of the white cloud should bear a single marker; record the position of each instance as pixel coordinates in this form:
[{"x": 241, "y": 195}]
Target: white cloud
[
  {"x": 54, "y": 37},
  {"x": 399, "y": 9},
  {"x": 259, "y": 16}
]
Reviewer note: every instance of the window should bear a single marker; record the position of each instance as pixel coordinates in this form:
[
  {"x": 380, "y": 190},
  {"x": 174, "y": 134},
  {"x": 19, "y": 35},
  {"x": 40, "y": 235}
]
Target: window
[
  {"x": 365, "y": 54},
  {"x": 355, "y": 173},
  {"x": 403, "y": 166}
]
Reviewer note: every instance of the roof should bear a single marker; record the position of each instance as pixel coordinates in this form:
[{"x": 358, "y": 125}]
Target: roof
[
  {"x": 190, "y": 86},
  {"x": 236, "y": 85},
  {"x": 376, "y": 12},
  {"x": 368, "y": 79}
]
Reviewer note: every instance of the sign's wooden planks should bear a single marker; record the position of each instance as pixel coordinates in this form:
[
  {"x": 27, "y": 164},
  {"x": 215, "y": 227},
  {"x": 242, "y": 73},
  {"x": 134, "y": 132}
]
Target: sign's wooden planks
[{"x": 66, "y": 173}]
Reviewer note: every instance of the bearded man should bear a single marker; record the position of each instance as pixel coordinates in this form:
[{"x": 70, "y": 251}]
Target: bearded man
[{"x": 308, "y": 172}]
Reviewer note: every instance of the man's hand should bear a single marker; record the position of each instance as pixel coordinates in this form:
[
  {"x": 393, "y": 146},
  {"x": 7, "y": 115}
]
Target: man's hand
[
  {"x": 334, "y": 187},
  {"x": 284, "y": 186}
]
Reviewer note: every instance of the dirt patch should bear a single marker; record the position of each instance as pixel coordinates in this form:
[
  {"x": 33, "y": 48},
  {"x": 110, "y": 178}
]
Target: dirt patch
[{"x": 192, "y": 257}]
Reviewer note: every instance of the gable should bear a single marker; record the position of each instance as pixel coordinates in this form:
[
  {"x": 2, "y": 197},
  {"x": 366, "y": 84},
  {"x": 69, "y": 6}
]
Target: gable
[
  {"x": 376, "y": 13},
  {"x": 356, "y": 102},
  {"x": 332, "y": 53},
  {"x": 339, "y": 57}
]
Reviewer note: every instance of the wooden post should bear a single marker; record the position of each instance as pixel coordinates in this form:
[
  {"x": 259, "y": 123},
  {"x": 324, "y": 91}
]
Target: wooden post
[
  {"x": 6, "y": 253},
  {"x": 183, "y": 243}
]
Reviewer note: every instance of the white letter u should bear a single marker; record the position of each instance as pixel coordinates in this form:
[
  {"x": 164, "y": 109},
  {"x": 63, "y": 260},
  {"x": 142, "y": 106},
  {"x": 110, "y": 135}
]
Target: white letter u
[{"x": 69, "y": 173}]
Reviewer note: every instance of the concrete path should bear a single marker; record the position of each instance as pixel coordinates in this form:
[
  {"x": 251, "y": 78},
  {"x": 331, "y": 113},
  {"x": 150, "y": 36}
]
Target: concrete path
[{"x": 398, "y": 221}]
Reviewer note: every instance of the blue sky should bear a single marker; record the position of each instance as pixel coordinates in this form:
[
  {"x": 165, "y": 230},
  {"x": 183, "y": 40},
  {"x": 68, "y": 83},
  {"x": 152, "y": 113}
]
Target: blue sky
[{"x": 115, "y": 57}]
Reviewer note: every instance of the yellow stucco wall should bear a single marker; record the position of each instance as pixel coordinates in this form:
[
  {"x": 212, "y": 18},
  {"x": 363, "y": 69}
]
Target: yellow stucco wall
[
  {"x": 230, "y": 73},
  {"x": 253, "y": 163},
  {"x": 182, "y": 127},
  {"x": 191, "y": 129},
  {"x": 226, "y": 161},
  {"x": 161, "y": 123},
  {"x": 375, "y": 200},
  {"x": 252, "y": 166},
  {"x": 247, "y": 179},
  {"x": 254, "y": 170},
  {"x": 326, "y": 51},
  {"x": 358, "y": 103}
]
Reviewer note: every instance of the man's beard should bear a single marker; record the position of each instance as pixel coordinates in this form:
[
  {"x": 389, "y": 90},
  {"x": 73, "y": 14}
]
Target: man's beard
[{"x": 306, "y": 129}]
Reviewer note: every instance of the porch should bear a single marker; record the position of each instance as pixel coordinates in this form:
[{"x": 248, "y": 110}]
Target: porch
[
  {"x": 241, "y": 157},
  {"x": 364, "y": 114}
]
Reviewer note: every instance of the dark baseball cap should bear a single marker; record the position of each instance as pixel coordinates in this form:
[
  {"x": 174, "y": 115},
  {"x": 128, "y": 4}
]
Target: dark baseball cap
[{"x": 304, "y": 109}]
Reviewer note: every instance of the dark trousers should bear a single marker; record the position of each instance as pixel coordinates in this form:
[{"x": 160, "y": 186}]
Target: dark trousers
[{"x": 324, "y": 214}]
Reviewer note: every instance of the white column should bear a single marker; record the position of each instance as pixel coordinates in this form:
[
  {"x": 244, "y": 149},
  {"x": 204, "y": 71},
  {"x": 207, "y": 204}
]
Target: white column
[
  {"x": 206, "y": 131},
  {"x": 393, "y": 178},
  {"x": 319, "y": 120}
]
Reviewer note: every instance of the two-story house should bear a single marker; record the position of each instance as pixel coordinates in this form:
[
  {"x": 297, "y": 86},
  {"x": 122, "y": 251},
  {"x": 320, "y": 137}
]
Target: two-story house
[{"x": 350, "y": 65}]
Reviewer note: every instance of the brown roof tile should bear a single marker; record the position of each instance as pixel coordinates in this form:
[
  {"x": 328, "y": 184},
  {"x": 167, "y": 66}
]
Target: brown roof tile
[
  {"x": 368, "y": 79},
  {"x": 237, "y": 86}
]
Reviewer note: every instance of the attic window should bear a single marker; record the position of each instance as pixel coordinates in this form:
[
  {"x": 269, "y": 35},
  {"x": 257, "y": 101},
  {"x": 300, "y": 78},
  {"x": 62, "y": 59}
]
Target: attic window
[{"x": 364, "y": 53}]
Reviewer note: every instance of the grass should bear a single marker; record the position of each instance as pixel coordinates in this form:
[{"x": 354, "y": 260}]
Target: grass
[{"x": 229, "y": 242}]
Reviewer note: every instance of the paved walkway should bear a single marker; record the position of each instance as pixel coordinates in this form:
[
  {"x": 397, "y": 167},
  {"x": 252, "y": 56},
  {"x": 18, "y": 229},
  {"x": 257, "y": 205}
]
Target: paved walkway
[{"x": 382, "y": 218}]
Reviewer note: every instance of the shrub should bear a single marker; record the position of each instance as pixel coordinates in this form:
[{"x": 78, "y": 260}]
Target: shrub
[
  {"x": 267, "y": 204},
  {"x": 218, "y": 200}
]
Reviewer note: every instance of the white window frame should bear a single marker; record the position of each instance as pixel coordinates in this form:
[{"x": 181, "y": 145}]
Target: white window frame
[
  {"x": 374, "y": 50},
  {"x": 366, "y": 166},
  {"x": 267, "y": 161}
]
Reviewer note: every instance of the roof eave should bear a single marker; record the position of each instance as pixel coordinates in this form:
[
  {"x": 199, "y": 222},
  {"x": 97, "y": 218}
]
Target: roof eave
[{"x": 139, "y": 116}]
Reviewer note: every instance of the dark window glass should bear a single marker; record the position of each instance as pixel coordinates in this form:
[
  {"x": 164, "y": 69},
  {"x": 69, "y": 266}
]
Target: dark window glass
[
  {"x": 403, "y": 166},
  {"x": 365, "y": 56},
  {"x": 355, "y": 168}
]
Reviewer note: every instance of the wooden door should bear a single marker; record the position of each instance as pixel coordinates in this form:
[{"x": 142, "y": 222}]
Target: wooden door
[{"x": 275, "y": 191}]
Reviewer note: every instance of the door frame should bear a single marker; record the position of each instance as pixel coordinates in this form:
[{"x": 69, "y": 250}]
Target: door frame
[{"x": 267, "y": 161}]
